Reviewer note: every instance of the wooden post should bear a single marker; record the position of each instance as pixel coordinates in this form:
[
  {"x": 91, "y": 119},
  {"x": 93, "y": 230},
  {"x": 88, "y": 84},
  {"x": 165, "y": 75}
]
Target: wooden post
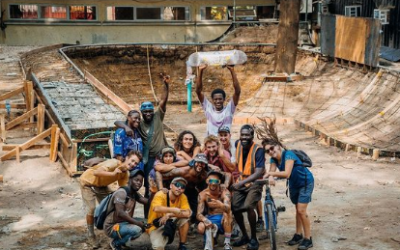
[
  {"x": 17, "y": 154},
  {"x": 375, "y": 154},
  {"x": 29, "y": 95},
  {"x": 1, "y": 178},
  {"x": 40, "y": 116},
  {"x": 288, "y": 35},
  {"x": 3, "y": 127},
  {"x": 74, "y": 158},
  {"x": 359, "y": 151},
  {"x": 55, "y": 136}
]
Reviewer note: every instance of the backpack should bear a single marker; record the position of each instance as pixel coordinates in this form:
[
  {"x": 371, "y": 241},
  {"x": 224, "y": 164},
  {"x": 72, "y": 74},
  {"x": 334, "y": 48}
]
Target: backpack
[
  {"x": 101, "y": 212},
  {"x": 303, "y": 157}
]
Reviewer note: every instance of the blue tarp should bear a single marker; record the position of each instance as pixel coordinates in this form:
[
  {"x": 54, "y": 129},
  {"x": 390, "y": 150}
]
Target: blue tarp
[{"x": 390, "y": 54}]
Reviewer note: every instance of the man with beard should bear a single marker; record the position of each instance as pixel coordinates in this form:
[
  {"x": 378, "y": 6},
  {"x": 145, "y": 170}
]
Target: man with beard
[
  {"x": 246, "y": 194},
  {"x": 217, "y": 115},
  {"x": 219, "y": 158},
  {"x": 215, "y": 202},
  {"x": 164, "y": 207},
  {"x": 195, "y": 174},
  {"x": 151, "y": 130},
  {"x": 119, "y": 224}
]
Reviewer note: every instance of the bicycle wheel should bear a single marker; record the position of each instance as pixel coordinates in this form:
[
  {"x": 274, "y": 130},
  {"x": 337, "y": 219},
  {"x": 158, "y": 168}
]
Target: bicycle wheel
[{"x": 271, "y": 227}]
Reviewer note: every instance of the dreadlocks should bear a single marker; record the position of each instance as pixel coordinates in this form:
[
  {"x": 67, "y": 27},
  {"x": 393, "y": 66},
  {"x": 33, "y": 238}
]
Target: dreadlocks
[{"x": 268, "y": 133}]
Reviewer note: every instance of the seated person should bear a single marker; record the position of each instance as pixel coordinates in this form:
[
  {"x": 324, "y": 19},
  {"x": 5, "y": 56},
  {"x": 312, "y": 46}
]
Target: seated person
[
  {"x": 119, "y": 224},
  {"x": 214, "y": 210},
  {"x": 167, "y": 161},
  {"x": 165, "y": 206},
  {"x": 195, "y": 174},
  {"x": 187, "y": 146},
  {"x": 94, "y": 185},
  {"x": 123, "y": 142}
]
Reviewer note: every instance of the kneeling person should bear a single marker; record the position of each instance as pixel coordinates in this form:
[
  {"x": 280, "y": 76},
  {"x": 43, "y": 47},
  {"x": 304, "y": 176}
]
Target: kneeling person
[
  {"x": 217, "y": 202},
  {"x": 165, "y": 206},
  {"x": 120, "y": 224}
]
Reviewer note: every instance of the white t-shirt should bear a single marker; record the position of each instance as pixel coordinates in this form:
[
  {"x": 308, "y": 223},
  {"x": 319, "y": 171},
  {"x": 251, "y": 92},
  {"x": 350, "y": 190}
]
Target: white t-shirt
[{"x": 217, "y": 119}]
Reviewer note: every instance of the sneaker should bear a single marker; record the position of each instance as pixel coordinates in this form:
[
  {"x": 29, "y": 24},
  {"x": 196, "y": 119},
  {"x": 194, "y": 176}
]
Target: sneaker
[
  {"x": 253, "y": 244},
  {"x": 241, "y": 242},
  {"x": 297, "y": 238},
  {"x": 305, "y": 244},
  {"x": 93, "y": 242},
  {"x": 227, "y": 246},
  {"x": 114, "y": 246},
  {"x": 260, "y": 225},
  {"x": 182, "y": 247}
]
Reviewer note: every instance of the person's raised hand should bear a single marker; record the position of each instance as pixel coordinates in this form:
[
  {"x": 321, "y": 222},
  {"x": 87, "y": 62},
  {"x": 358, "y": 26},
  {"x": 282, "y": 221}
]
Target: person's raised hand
[
  {"x": 166, "y": 78},
  {"x": 202, "y": 67},
  {"x": 230, "y": 67}
]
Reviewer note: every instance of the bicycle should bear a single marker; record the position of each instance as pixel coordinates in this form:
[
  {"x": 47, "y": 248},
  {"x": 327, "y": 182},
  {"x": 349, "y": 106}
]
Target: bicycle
[{"x": 270, "y": 213}]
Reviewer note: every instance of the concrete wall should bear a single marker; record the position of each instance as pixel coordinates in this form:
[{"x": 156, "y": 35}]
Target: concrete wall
[{"x": 46, "y": 32}]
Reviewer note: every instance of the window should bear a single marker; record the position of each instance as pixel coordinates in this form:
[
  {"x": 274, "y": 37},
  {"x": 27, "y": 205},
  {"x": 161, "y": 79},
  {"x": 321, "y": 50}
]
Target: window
[
  {"x": 243, "y": 13},
  {"x": 55, "y": 12},
  {"x": 148, "y": 13},
  {"x": 176, "y": 13},
  {"x": 82, "y": 12},
  {"x": 383, "y": 15},
  {"x": 265, "y": 12},
  {"x": 215, "y": 13},
  {"x": 353, "y": 11},
  {"x": 24, "y": 11},
  {"x": 119, "y": 13}
]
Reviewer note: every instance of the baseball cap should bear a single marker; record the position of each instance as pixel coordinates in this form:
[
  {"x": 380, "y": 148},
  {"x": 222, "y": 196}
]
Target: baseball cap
[
  {"x": 201, "y": 158},
  {"x": 224, "y": 129},
  {"x": 146, "y": 106},
  {"x": 177, "y": 179}
]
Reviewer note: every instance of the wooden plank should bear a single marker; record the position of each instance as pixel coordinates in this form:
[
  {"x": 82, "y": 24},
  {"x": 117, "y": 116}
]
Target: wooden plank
[
  {"x": 27, "y": 144},
  {"x": 21, "y": 118},
  {"x": 74, "y": 158},
  {"x": 17, "y": 151},
  {"x": 350, "y": 38},
  {"x": 65, "y": 141},
  {"x": 3, "y": 127},
  {"x": 9, "y": 147},
  {"x": 13, "y": 105},
  {"x": 1, "y": 178},
  {"x": 40, "y": 116},
  {"x": 30, "y": 98},
  {"x": 65, "y": 164},
  {"x": 107, "y": 92},
  {"x": 55, "y": 137},
  {"x": 11, "y": 94}
]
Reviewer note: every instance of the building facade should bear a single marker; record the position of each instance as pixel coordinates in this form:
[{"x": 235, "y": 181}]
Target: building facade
[{"x": 47, "y": 22}]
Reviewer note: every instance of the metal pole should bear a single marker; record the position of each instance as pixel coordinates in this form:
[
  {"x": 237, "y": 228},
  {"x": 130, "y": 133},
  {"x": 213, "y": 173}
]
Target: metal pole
[
  {"x": 306, "y": 10},
  {"x": 234, "y": 12},
  {"x": 189, "y": 94}
]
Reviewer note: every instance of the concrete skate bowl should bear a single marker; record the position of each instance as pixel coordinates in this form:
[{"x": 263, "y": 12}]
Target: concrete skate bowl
[{"x": 355, "y": 108}]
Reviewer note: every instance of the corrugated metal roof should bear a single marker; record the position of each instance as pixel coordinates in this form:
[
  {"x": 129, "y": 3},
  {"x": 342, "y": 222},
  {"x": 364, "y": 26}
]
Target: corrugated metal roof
[{"x": 390, "y": 54}]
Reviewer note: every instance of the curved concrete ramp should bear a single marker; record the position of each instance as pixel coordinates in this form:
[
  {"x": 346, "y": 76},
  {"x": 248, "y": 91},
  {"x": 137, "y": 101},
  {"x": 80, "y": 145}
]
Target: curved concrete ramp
[{"x": 352, "y": 106}]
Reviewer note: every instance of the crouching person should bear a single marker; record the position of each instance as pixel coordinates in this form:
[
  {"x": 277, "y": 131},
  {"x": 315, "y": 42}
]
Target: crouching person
[
  {"x": 120, "y": 225},
  {"x": 94, "y": 185},
  {"x": 169, "y": 211},
  {"x": 215, "y": 202}
]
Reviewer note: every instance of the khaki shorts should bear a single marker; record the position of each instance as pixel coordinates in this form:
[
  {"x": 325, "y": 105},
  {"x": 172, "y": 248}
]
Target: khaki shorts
[
  {"x": 158, "y": 241},
  {"x": 89, "y": 197},
  {"x": 246, "y": 198}
]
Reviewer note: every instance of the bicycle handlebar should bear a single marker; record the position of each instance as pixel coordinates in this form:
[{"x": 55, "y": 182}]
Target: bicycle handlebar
[{"x": 262, "y": 182}]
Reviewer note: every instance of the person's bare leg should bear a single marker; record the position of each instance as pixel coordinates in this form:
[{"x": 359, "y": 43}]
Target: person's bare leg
[
  {"x": 240, "y": 222},
  {"x": 183, "y": 232},
  {"x": 201, "y": 228},
  {"x": 252, "y": 217},
  {"x": 301, "y": 209},
  {"x": 227, "y": 225}
]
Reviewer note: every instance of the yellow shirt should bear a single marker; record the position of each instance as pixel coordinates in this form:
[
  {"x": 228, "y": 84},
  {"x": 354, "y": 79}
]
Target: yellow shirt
[
  {"x": 160, "y": 199},
  {"x": 88, "y": 178}
]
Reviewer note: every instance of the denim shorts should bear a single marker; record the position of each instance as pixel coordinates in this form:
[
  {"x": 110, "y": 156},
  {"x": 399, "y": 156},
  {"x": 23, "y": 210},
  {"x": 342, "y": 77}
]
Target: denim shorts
[{"x": 301, "y": 195}]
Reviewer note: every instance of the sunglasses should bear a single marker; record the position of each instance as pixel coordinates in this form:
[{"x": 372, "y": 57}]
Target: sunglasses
[
  {"x": 179, "y": 185},
  {"x": 270, "y": 149},
  {"x": 213, "y": 181}
]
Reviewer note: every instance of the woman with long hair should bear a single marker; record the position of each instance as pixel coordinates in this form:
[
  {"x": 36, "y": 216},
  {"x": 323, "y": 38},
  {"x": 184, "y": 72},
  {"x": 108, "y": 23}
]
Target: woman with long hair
[
  {"x": 300, "y": 180},
  {"x": 187, "y": 146}
]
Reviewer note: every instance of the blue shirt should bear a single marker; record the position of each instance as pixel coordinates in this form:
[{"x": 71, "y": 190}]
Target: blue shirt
[
  {"x": 123, "y": 144},
  {"x": 300, "y": 175}
]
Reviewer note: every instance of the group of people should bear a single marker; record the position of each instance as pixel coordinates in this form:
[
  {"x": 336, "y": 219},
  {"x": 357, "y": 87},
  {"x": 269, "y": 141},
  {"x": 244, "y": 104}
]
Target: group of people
[{"x": 209, "y": 187}]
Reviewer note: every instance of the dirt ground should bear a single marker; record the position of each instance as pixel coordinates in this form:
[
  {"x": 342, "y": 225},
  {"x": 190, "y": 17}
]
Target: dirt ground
[{"x": 356, "y": 201}]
